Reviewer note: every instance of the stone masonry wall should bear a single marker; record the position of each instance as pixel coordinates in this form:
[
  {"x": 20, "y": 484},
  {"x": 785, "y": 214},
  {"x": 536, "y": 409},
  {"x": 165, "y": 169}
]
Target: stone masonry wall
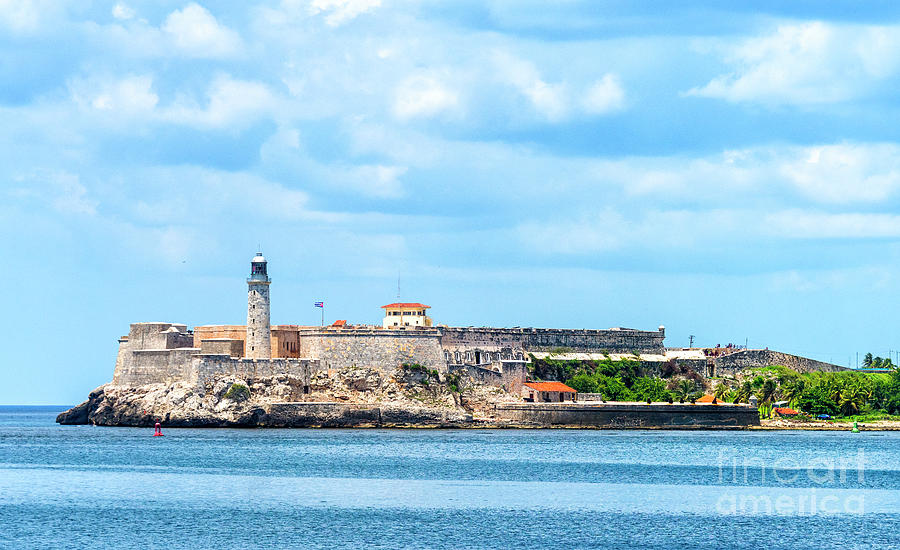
[
  {"x": 206, "y": 367},
  {"x": 539, "y": 339},
  {"x": 155, "y": 366},
  {"x": 376, "y": 348},
  {"x": 734, "y": 362}
]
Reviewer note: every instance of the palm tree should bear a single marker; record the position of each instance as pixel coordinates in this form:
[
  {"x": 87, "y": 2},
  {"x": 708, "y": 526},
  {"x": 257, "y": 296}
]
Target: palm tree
[
  {"x": 867, "y": 360},
  {"x": 854, "y": 395},
  {"x": 684, "y": 389},
  {"x": 767, "y": 392},
  {"x": 743, "y": 392},
  {"x": 792, "y": 390},
  {"x": 722, "y": 390}
]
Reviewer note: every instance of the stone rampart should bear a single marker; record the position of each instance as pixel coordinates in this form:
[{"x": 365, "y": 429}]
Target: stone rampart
[
  {"x": 154, "y": 366},
  {"x": 205, "y": 368},
  {"x": 455, "y": 339},
  {"x": 381, "y": 349},
  {"x": 734, "y": 362},
  {"x": 153, "y": 335},
  {"x": 222, "y": 346},
  {"x": 630, "y": 415}
]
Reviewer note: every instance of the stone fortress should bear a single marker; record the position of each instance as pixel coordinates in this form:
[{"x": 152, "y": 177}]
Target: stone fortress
[{"x": 170, "y": 352}]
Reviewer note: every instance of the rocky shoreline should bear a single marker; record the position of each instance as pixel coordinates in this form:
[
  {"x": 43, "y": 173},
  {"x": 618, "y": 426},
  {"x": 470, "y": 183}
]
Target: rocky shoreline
[
  {"x": 358, "y": 397},
  {"x": 362, "y": 398}
]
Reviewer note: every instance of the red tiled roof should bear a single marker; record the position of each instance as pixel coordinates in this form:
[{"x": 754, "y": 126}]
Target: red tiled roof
[
  {"x": 340, "y": 323},
  {"x": 406, "y": 304},
  {"x": 549, "y": 386},
  {"x": 785, "y": 411},
  {"x": 706, "y": 399}
]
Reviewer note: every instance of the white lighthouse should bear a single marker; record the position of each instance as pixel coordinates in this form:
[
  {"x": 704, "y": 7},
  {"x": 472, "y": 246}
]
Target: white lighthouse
[{"x": 259, "y": 335}]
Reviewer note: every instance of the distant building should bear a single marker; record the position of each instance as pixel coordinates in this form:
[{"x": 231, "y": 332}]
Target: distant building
[
  {"x": 405, "y": 315},
  {"x": 547, "y": 392}
]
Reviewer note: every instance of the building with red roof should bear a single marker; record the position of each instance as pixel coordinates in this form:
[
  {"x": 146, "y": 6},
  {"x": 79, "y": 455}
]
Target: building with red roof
[
  {"x": 547, "y": 392},
  {"x": 406, "y": 314}
]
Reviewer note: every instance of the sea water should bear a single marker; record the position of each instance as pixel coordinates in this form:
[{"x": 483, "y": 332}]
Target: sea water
[{"x": 95, "y": 487}]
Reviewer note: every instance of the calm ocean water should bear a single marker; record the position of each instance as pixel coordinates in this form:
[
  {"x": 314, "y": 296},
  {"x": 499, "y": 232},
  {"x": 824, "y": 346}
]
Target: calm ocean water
[{"x": 90, "y": 487}]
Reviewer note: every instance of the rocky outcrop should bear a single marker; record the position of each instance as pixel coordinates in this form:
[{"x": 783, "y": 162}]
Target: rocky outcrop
[{"x": 354, "y": 397}]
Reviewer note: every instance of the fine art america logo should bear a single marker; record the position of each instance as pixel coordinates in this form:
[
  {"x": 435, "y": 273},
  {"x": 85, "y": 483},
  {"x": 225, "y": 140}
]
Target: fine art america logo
[{"x": 783, "y": 486}]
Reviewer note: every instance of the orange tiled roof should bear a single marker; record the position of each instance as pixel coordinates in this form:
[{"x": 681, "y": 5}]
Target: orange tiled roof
[
  {"x": 707, "y": 399},
  {"x": 549, "y": 386},
  {"x": 785, "y": 411},
  {"x": 406, "y": 304}
]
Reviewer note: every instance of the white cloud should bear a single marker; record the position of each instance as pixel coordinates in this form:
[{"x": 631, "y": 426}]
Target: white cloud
[
  {"x": 548, "y": 99},
  {"x": 230, "y": 102},
  {"x": 122, "y": 12},
  {"x": 829, "y": 174},
  {"x": 129, "y": 95},
  {"x": 379, "y": 180},
  {"x": 809, "y": 63},
  {"x": 341, "y": 11},
  {"x": 22, "y": 15},
  {"x": 604, "y": 96},
  {"x": 197, "y": 33},
  {"x": 423, "y": 96},
  {"x": 845, "y": 173}
]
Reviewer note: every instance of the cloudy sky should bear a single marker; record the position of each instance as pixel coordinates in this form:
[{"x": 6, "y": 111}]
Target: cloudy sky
[{"x": 731, "y": 173}]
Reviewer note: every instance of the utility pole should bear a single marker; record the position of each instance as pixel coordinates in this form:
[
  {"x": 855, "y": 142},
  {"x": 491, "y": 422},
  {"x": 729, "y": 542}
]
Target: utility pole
[{"x": 691, "y": 345}]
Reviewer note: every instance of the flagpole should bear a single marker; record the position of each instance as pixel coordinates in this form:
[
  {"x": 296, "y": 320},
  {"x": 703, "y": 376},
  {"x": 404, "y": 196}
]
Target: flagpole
[{"x": 323, "y": 314}]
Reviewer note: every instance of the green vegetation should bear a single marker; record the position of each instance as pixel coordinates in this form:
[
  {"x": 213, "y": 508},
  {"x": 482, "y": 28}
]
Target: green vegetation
[
  {"x": 858, "y": 396},
  {"x": 852, "y": 395},
  {"x": 870, "y": 362},
  {"x": 622, "y": 380},
  {"x": 238, "y": 392},
  {"x": 413, "y": 367},
  {"x": 454, "y": 382}
]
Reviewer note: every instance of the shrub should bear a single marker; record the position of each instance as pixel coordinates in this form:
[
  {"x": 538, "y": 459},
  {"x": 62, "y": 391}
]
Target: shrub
[
  {"x": 583, "y": 383},
  {"x": 238, "y": 392}
]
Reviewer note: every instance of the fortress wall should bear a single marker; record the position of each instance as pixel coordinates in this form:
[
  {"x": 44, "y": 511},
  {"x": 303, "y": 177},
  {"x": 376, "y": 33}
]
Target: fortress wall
[
  {"x": 541, "y": 339},
  {"x": 176, "y": 340},
  {"x": 376, "y": 348},
  {"x": 123, "y": 361},
  {"x": 734, "y": 362},
  {"x": 155, "y": 366},
  {"x": 151, "y": 335},
  {"x": 482, "y": 375},
  {"x": 205, "y": 368},
  {"x": 630, "y": 415},
  {"x": 222, "y": 346}
]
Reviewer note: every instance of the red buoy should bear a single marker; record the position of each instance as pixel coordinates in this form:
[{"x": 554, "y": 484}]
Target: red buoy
[{"x": 157, "y": 430}]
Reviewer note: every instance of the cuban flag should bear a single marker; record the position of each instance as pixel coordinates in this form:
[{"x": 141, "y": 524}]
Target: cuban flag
[{"x": 319, "y": 304}]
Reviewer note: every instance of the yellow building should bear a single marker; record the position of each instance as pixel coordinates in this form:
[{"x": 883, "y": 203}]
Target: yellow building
[{"x": 405, "y": 315}]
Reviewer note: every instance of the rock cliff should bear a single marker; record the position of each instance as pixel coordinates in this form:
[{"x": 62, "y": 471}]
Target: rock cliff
[{"x": 353, "y": 397}]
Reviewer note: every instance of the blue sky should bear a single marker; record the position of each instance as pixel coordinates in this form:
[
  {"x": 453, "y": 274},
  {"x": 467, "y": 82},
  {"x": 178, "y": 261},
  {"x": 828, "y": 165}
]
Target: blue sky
[{"x": 728, "y": 170}]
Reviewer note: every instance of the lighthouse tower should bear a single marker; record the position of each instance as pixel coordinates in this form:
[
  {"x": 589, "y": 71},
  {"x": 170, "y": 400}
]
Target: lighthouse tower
[{"x": 259, "y": 336}]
